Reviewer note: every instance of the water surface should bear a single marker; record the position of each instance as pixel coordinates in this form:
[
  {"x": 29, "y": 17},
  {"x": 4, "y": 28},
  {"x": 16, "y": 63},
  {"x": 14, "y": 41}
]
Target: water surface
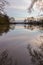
[{"x": 21, "y": 45}]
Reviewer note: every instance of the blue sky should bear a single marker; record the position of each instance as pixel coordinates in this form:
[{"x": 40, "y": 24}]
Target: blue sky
[{"x": 18, "y": 9}]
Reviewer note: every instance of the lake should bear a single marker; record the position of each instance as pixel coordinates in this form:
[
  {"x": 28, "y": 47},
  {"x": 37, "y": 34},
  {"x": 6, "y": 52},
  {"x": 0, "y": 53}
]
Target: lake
[{"x": 21, "y": 44}]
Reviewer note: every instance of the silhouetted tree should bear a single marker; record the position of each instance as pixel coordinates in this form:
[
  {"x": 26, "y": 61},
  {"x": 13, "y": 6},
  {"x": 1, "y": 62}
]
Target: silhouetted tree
[{"x": 12, "y": 19}]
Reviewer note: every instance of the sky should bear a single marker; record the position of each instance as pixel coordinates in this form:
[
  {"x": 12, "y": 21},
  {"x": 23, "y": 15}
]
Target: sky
[{"x": 19, "y": 8}]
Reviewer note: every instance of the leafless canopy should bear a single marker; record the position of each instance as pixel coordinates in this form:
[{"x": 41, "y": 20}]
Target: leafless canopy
[
  {"x": 40, "y": 5},
  {"x": 3, "y": 3}
]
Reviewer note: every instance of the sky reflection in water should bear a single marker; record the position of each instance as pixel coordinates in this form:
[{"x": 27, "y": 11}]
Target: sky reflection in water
[{"x": 23, "y": 43}]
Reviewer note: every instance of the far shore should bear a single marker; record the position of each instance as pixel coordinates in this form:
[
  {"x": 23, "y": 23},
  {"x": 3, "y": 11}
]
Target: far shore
[{"x": 30, "y": 23}]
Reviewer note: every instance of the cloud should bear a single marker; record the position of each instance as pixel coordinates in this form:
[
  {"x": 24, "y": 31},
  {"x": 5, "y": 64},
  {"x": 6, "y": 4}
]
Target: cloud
[
  {"x": 24, "y": 4},
  {"x": 17, "y": 7},
  {"x": 19, "y": 4}
]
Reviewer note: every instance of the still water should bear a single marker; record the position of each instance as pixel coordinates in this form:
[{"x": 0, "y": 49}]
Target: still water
[{"x": 21, "y": 45}]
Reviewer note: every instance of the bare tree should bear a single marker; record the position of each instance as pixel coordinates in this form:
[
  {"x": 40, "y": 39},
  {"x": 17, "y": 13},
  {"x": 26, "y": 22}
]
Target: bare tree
[
  {"x": 31, "y": 6},
  {"x": 40, "y": 5},
  {"x": 3, "y": 3}
]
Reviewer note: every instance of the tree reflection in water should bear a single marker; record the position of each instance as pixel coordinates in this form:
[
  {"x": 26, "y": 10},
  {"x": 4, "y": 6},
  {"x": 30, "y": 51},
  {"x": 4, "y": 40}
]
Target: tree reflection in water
[
  {"x": 6, "y": 28},
  {"x": 6, "y": 60},
  {"x": 36, "y": 55},
  {"x": 32, "y": 27}
]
